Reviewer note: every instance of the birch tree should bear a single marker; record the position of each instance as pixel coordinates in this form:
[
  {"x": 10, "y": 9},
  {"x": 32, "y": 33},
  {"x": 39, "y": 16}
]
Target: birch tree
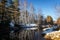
[
  {"x": 40, "y": 17},
  {"x": 32, "y": 13}
]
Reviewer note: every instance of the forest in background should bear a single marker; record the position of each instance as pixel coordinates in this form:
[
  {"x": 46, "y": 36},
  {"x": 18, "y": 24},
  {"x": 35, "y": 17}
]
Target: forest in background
[{"x": 18, "y": 12}]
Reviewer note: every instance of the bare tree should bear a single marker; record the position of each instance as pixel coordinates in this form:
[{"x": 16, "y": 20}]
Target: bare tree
[
  {"x": 32, "y": 13},
  {"x": 24, "y": 12},
  {"x": 57, "y": 7},
  {"x": 40, "y": 17}
]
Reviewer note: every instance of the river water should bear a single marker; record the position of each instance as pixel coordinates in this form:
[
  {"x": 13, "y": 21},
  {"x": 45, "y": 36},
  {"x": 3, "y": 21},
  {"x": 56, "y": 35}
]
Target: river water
[{"x": 30, "y": 34}]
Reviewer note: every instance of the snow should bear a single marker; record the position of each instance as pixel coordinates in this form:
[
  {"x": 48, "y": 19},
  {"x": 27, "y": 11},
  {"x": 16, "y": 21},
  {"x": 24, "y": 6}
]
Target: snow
[
  {"x": 53, "y": 32},
  {"x": 31, "y": 28},
  {"x": 55, "y": 35},
  {"x": 47, "y": 30},
  {"x": 11, "y": 24},
  {"x": 31, "y": 24}
]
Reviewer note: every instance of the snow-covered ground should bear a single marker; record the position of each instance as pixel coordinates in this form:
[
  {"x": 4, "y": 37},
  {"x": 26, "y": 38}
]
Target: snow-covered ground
[
  {"x": 51, "y": 33},
  {"x": 49, "y": 30},
  {"x": 29, "y": 26},
  {"x": 55, "y": 35}
]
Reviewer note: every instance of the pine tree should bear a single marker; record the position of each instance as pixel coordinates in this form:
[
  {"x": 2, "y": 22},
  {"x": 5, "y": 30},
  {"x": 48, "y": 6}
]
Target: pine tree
[
  {"x": 2, "y": 10},
  {"x": 49, "y": 20},
  {"x": 13, "y": 11}
]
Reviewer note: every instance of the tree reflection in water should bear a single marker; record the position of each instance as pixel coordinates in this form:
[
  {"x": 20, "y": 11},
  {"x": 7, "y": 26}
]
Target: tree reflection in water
[{"x": 28, "y": 35}]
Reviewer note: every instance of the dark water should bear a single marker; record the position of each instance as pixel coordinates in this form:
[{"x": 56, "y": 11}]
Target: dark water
[{"x": 28, "y": 34}]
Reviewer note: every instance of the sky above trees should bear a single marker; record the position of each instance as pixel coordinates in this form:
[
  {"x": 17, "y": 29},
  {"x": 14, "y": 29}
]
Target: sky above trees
[{"x": 47, "y": 7}]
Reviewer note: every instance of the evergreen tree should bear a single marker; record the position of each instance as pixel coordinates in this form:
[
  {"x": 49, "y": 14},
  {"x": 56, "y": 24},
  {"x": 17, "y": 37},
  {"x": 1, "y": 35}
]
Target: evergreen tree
[
  {"x": 58, "y": 21},
  {"x": 49, "y": 20}
]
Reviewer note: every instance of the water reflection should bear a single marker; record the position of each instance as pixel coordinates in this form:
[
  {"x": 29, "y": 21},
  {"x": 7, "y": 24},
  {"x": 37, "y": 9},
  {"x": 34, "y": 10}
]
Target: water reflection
[{"x": 29, "y": 34}]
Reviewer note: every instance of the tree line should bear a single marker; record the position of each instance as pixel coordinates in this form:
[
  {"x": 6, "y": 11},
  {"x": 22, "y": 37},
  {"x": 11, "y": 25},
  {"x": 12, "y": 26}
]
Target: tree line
[{"x": 21, "y": 13}]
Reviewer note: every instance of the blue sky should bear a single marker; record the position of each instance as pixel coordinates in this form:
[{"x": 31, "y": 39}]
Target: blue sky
[{"x": 47, "y": 7}]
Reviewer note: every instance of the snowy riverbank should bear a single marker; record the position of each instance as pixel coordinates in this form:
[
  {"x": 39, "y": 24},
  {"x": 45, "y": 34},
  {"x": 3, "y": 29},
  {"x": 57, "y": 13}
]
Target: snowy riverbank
[{"x": 53, "y": 35}]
